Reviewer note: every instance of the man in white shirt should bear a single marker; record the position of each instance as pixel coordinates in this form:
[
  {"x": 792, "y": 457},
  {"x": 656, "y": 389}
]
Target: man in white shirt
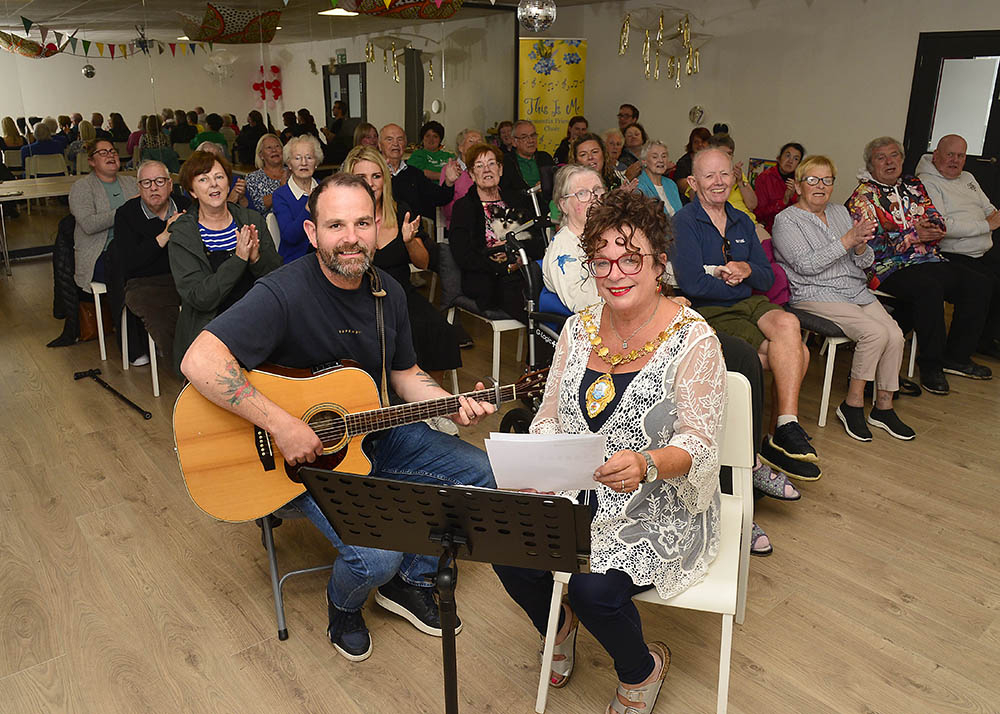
[{"x": 970, "y": 218}]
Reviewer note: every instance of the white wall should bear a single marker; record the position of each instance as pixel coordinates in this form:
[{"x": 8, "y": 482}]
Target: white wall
[
  {"x": 831, "y": 75},
  {"x": 478, "y": 87}
]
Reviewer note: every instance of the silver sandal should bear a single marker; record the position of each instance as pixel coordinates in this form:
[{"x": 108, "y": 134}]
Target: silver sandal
[
  {"x": 562, "y": 669},
  {"x": 641, "y": 700}
]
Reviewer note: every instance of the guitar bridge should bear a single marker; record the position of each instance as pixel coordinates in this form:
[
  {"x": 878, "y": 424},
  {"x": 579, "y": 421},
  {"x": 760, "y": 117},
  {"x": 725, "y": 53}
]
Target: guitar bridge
[{"x": 264, "y": 451}]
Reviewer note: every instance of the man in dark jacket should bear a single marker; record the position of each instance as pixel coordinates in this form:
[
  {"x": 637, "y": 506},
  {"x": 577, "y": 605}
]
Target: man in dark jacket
[
  {"x": 526, "y": 166},
  {"x": 718, "y": 263},
  {"x": 409, "y": 184},
  {"x": 140, "y": 257}
]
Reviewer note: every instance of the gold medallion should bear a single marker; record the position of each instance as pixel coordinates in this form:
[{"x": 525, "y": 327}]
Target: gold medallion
[{"x": 599, "y": 394}]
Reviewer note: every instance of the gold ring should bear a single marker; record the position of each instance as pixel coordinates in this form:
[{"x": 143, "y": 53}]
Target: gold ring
[{"x": 623, "y": 484}]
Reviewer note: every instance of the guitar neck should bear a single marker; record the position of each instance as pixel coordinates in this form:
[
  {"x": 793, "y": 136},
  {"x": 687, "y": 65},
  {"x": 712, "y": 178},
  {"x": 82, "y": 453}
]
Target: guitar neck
[{"x": 411, "y": 412}]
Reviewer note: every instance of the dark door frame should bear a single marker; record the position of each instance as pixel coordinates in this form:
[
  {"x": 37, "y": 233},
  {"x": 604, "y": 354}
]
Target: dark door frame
[
  {"x": 341, "y": 69},
  {"x": 933, "y": 47}
]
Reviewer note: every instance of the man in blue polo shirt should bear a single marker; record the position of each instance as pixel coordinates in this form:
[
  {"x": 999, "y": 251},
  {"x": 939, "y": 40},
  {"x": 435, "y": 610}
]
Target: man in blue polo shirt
[{"x": 718, "y": 263}]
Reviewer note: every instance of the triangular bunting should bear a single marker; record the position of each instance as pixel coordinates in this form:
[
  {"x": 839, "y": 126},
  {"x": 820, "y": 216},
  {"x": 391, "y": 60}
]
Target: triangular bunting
[
  {"x": 438, "y": 3},
  {"x": 211, "y": 46},
  {"x": 59, "y": 37},
  {"x": 184, "y": 49},
  {"x": 201, "y": 45},
  {"x": 387, "y": 3},
  {"x": 86, "y": 47},
  {"x": 111, "y": 49},
  {"x": 173, "y": 48},
  {"x": 100, "y": 48},
  {"x": 72, "y": 43},
  {"x": 27, "y": 24},
  {"x": 45, "y": 33},
  {"x": 286, "y": 2},
  {"x": 124, "y": 50},
  {"x": 159, "y": 47},
  {"x": 193, "y": 47}
]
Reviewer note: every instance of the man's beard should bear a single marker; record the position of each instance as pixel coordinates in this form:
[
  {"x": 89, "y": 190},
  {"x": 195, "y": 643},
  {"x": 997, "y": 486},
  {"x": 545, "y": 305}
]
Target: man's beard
[{"x": 352, "y": 268}]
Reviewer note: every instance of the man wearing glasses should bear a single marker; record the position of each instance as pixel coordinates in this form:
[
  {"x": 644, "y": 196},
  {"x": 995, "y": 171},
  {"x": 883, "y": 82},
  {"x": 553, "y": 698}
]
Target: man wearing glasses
[
  {"x": 627, "y": 114},
  {"x": 526, "y": 166},
  {"x": 142, "y": 231},
  {"x": 718, "y": 263}
]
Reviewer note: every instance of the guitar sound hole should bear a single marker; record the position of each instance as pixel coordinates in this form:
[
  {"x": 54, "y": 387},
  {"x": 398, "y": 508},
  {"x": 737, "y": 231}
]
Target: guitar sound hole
[{"x": 329, "y": 426}]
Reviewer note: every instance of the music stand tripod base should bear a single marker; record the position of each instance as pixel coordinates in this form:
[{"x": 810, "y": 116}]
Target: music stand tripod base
[{"x": 484, "y": 525}]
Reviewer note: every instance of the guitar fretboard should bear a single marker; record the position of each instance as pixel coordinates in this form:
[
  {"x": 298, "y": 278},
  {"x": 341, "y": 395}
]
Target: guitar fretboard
[{"x": 389, "y": 417}]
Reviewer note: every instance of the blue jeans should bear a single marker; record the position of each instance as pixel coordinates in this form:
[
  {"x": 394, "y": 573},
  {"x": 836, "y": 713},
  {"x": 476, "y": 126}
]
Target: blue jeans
[{"x": 414, "y": 452}]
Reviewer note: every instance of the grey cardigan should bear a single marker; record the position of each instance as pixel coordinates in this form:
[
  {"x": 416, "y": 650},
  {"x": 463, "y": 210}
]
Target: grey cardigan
[
  {"x": 818, "y": 266},
  {"x": 88, "y": 202}
]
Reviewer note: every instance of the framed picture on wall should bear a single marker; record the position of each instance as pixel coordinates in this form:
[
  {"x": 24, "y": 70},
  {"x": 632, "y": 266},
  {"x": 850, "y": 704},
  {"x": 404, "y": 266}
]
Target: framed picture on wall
[{"x": 755, "y": 167}]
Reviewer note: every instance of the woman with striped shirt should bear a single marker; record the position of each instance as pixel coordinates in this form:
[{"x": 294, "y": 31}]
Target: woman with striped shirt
[{"x": 217, "y": 249}]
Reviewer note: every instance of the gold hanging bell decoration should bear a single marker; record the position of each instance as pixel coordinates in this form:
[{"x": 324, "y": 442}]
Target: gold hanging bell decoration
[
  {"x": 430, "y": 69},
  {"x": 645, "y": 54},
  {"x": 395, "y": 64}
]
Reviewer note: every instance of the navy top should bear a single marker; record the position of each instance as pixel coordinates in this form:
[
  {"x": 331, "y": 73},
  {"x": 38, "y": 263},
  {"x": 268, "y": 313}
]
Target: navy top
[
  {"x": 621, "y": 382},
  {"x": 697, "y": 243}
]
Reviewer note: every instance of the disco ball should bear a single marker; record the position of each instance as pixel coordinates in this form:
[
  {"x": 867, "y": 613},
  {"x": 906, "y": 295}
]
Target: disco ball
[
  {"x": 88, "y": 71},
  {"x": 536, "y": 15}
]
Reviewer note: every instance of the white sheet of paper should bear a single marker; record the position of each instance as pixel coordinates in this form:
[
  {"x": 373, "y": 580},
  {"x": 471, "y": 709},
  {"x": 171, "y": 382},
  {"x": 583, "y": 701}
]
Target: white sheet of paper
[{"x": 546, "y": 462}]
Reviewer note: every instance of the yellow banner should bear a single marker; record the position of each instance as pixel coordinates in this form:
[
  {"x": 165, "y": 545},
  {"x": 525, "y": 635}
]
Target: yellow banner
[{"x": 550, "y": 88}]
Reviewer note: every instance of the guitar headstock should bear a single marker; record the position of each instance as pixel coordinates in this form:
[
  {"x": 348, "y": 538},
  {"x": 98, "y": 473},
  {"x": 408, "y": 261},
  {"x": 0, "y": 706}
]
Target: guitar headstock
[{"x": 531, "y": 384}]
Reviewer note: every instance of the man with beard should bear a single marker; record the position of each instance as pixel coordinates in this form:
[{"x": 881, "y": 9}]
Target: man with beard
[{"x": 312, "y": 312}]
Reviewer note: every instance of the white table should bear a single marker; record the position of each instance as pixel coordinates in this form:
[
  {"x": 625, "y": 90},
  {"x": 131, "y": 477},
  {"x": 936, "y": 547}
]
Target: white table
[{"x": 23, "y": 189}]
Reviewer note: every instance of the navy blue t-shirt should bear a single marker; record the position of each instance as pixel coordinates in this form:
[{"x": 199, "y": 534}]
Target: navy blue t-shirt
[{"x": 295, "y": 317}]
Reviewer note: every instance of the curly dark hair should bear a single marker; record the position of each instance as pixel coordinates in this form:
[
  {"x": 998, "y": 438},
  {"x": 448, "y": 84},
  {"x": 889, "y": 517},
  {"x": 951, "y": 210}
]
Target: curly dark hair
[{"x": 627, "y": 212}]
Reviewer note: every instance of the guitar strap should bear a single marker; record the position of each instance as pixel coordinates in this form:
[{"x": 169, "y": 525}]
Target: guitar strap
[{"x": 378, "y": 292}]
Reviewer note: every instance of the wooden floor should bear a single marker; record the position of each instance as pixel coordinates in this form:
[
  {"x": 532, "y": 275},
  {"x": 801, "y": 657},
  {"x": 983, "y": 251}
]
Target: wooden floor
[{"x": 118, "y": 595}]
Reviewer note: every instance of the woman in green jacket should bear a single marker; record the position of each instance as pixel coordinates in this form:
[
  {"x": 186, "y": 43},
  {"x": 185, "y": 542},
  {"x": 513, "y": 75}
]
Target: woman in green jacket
[{"x": 217, "y": 249}]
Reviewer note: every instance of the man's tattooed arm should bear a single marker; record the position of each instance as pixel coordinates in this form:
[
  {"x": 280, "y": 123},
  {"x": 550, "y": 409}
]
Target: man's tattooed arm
[
  {"x": 427, "y": 379},
  {"x": 237, "y": 388}
]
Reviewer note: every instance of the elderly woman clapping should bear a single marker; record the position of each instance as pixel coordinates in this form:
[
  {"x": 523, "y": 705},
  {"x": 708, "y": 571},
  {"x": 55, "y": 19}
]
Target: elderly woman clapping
[{"x": 825, "y": 254}]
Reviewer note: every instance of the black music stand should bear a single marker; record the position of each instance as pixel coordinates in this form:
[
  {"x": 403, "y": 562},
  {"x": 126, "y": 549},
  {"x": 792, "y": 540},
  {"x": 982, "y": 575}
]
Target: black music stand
[{"x": 485, "y": 525}]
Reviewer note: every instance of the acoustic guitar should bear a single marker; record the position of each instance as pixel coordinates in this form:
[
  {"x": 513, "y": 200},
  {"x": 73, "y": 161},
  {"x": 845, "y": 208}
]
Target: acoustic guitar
[{"x": 234, "y": 472}]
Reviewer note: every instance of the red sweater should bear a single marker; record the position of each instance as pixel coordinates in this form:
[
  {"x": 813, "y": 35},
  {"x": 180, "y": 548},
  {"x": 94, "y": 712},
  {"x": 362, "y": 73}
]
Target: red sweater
[{"x": 770, "y": 190}]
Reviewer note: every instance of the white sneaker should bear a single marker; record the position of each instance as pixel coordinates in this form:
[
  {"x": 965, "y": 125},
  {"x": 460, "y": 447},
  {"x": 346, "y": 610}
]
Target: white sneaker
[
  {"x": 442, "y": 424},
  {"x": 140, "y": 361}
]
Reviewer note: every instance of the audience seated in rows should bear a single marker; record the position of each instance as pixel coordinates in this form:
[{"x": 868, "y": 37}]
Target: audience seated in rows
[
  {"x": 212, "y": 134},
  {"x": 970, "y": 220},
  {"x": 142, "y": 231},
  {"x": 775, "y": 187},
  {"x": 431, "y": 157},
  {"x": 402, "y": 242},
  {"x": 271, "y": 174},
  {"x": 43, "y": 144},
  {"x": 182, "y": 133},
  {"x": 216, "y": 248},
  {"x": 301, "y": 156},
  {"x": 409, "y": 184},
  {"x": 477, "y": 237},
  {"x": 825, "y": 254},
  {"x": 908, "y": 265},
  {"x": 154, "y": 145}
]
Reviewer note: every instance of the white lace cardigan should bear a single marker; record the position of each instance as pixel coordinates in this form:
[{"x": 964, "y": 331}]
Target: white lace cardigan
[{"x": 666, "y": 533}]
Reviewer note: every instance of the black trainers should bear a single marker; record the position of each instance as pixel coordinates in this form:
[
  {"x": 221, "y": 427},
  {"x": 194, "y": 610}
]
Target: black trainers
[
  {"x": 967, "y": 369},
  {"x": 887, "y": 419},
  {"x": 417, "y": 605},
  {"x": 934, "y": 381},
  {"x": 792, "y": 440},
  {"x": 853, "y": 419},
  {"x": 348, "y": 633},
  {"x": 793, "y": 468}
]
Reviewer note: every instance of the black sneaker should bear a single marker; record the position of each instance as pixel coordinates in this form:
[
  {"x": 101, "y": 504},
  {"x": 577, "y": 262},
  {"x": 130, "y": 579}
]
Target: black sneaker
[
  {"x": 967, "y": 369},
  {"x": 934, "y": 381},
  {"x": 887, "y": 419},
  {"x": 348, "y": 633},
  {"x": 853, "y": 419},
  {"x": 417, "y": 605},
  {"x": 793, "y": 468},
  {"x": 792, "y": 440}
]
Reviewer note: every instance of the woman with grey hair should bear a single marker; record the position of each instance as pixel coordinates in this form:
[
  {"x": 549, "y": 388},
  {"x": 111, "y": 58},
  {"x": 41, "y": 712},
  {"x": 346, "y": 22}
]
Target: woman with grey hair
[
  {"x": 576, "y": 189},
  {"x": 271, "y": 173},
  {"x": 653, "y": 182},
  {"x": 908, "y": 265},
  {"x": 302, "y": 155},
  {"x": 467, "y": 138}
]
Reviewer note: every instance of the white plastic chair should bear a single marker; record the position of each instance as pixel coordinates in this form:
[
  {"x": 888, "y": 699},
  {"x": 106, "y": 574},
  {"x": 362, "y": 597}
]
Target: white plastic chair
[
  {"x": 12, "y": 160},
  {"x": 44, "y": 164},
  {"x": 271, "y": 221},
  {"x": 724, "y": 588},
  {"x": 99, "y": 289},
  {"x": 499, "y": 327}
]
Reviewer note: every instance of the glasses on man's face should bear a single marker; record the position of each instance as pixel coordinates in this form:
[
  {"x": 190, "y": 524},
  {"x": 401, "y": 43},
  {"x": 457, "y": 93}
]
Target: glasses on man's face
[
  {"x": 624, "y": 115},
  {"x": 585, "y": 194},
  {"x": 815, "y": 180},
  {"x": 483, "y": 165},
  {"x": 628, "y": 264},
  {"x": 105, "y": 152},
  {"x": 150, "y": 182},
  {"x": 532, "y": 135}
]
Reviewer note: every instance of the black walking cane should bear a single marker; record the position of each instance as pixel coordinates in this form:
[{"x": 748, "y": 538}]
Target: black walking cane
[{"x": 93, "y": 374}]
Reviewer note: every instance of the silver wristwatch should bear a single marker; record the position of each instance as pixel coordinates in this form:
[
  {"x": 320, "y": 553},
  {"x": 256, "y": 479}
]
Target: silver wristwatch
[{"x": 652, "y": 473}]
